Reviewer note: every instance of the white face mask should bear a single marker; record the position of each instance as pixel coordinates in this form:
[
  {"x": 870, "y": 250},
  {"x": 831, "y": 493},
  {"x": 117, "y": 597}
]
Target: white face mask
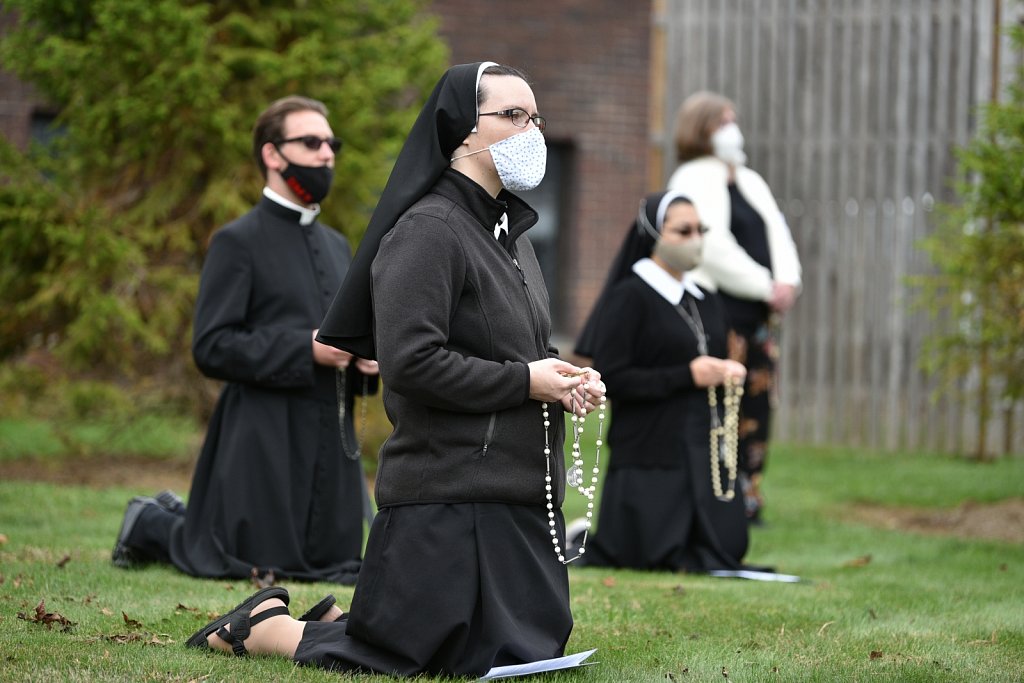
[
  {"x": 727, "y": 143},
  {"x": 519, "y": 159},
  {"x": 680, "y": 256}
]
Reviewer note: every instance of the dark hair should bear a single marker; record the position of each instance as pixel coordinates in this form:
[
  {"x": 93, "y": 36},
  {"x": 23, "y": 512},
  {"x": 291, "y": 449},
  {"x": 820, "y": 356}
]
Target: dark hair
[
  {"x": 496, "y": 70},
  {"x": 696, "y": 120},
  {"x": 270, "y": 124}
]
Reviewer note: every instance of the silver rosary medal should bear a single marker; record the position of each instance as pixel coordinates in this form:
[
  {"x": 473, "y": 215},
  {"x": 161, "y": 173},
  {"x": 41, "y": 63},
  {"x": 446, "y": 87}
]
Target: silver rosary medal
[{"x": 574, "y": 476}]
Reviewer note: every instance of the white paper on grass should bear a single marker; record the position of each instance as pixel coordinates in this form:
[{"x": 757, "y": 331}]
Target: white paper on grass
[
  {"x": 756, "y": 576},
  {"x": 566, "y": 662}
]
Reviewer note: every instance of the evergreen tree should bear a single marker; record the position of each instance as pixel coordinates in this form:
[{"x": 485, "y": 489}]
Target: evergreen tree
[{"x": 103, "y": 233}]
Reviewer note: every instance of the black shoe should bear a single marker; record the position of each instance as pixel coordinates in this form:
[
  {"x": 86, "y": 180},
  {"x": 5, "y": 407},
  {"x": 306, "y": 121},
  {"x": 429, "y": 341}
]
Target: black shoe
[
  {"x": 171, "y": 501},
  {"x": 319, "y": 609},
  {"x": 123, "y": 555}
]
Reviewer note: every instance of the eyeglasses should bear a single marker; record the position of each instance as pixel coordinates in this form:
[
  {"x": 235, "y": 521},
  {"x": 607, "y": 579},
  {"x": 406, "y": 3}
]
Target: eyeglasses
[
  {"x": 313, "y": 142},
  {"x": 520, "y": 117}
]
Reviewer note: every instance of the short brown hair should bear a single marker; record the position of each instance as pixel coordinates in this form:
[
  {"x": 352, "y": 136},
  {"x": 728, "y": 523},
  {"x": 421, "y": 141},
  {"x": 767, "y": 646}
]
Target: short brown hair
[
  {"x": 497, "y": 70},
  {"x": 270, "y": 124},
  {"x": 696, "y": 120}
]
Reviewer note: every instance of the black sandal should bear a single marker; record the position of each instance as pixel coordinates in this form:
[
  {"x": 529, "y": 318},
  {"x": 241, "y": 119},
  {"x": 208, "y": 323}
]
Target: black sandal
[
  {"x": 241, "y": 621},
  {"x": 319, "y": 609}
]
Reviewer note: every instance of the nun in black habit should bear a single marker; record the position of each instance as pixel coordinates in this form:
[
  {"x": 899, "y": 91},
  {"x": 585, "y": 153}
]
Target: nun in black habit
[
  {"x": 462, "y": 569},
  {"x": 660, "y": 342}
]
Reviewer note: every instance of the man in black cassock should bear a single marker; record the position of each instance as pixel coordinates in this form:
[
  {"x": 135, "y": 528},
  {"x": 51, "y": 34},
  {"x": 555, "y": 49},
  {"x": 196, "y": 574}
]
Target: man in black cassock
[{"x": 273, "y": 490}]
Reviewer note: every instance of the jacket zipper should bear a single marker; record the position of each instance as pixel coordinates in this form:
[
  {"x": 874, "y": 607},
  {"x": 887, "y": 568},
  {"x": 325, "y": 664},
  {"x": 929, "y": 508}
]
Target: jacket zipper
[
  {"x": 541, "y": 350},
  {"x": 490, "y": 433},
  {"x": 533, "y": 310}
]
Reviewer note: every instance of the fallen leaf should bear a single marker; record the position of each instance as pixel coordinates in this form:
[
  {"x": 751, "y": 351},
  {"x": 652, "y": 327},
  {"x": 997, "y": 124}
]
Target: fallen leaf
[
  {"x": 608, "y": 581},
  {"x": 106, "y": 612},
  {"x": 181, "y": 607},
  {"x": 131, "y": 623},
  {"x": 725, "y": 672},
  {"x": 48, "y": 619},
  {"x": 262, "y": 580},
  {"x": 861, "y": 561},
  {"x": 63, "y": 561},
  {"x": 3, "y": 539},
  {"x": 876, "y": 654}
]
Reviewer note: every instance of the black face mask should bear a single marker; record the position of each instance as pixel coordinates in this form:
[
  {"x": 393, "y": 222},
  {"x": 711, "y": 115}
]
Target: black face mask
[{"x": 309, "y": 183}]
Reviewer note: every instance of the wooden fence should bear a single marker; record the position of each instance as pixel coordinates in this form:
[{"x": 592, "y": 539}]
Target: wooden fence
[{"x": 851, "y": 110}]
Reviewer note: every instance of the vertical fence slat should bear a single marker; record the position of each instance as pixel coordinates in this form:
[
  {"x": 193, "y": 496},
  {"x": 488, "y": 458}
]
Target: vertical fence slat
[{"x": 851, "y": 109}]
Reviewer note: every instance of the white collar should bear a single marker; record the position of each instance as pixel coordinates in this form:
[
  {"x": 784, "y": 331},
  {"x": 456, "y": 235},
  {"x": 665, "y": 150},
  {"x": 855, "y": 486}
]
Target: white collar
[
  {"x": 501, "y": 226},
  {"x": 306, "y": 214},
  {"x": 664, "y": 284}
]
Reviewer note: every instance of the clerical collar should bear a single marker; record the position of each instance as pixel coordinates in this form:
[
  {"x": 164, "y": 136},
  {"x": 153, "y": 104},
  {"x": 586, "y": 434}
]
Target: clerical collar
[
  {"x": 306, "y": 215},
  {"x": 664, "y": 284}
]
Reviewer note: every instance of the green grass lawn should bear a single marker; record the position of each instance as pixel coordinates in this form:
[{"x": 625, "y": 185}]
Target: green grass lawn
[{"x": 878, "y": 605}]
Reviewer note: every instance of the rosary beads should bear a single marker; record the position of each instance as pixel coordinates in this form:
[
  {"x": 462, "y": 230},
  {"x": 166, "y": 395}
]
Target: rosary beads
[
  {"x": 574, "y": 475},
  {"x": 725, "y": 433}
]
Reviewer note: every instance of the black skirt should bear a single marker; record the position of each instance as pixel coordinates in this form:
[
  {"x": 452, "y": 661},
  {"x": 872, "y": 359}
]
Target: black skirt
[
  {"x": 450, "y": 589},
  {"x": 653, "y": 519}
]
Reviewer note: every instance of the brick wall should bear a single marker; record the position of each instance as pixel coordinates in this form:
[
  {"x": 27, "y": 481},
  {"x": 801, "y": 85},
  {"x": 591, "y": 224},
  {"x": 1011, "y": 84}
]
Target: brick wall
[{"x": 589, "y": 62}]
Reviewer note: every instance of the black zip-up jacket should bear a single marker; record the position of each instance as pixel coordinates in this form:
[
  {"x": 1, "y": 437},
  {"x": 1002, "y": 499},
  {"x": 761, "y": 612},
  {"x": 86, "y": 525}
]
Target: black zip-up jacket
[{"x": 457, "y": 318}]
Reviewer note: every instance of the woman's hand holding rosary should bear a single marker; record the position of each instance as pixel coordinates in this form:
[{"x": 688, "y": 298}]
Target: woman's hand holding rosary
[
  {"x": 553, "y": 379},
  {"x": 712, "y": 372}
]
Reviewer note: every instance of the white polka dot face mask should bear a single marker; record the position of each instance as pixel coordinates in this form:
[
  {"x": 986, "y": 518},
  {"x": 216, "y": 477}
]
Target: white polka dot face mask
[{"x": 521, "y": 160}]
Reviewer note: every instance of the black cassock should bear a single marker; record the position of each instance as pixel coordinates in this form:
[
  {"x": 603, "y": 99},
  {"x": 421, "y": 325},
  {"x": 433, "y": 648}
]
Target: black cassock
[{"x": 272, "y": 488}]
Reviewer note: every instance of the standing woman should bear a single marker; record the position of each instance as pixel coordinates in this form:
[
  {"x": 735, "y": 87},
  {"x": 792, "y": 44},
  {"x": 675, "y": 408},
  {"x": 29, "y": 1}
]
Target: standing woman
[
  {"x": 749, "y": 257},
  {"x": 668, "y": 501},
  {"x": 462, "y": 569}
]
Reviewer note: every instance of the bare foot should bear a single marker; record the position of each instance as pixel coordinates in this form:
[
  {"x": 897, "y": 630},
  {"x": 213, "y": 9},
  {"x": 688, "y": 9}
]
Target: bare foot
[
  {"x": 332, "y": 614},
  {"x": 277, "y": 635}
]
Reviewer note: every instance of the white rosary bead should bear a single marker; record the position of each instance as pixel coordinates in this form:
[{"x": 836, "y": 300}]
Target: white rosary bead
[{"x": 574, "y": 474}]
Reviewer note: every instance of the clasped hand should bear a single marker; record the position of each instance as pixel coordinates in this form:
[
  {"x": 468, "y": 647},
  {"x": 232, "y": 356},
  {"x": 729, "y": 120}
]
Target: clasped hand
[
  {"x": 578, "y": 389},
  {"x": 709, "y": 371},
  {"x": 324, "y": 354}
]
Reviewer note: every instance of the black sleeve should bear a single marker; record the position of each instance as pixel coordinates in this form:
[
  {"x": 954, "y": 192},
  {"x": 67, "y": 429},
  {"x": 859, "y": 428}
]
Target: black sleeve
[
  {"x": 225, "y": 344},
  {"x": 622, "y": 326}
]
